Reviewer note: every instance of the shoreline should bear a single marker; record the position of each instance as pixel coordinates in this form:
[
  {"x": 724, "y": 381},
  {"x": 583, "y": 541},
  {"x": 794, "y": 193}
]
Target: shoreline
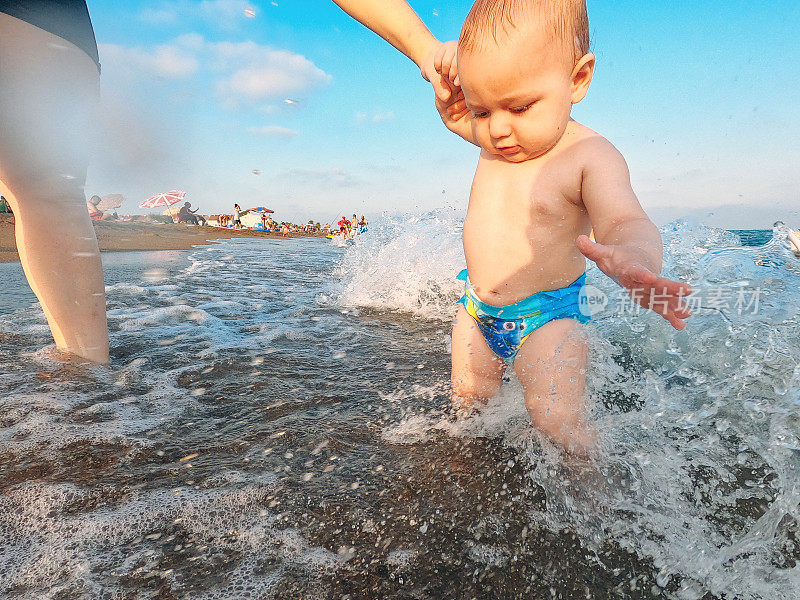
[{"x": 121, "y": 236}]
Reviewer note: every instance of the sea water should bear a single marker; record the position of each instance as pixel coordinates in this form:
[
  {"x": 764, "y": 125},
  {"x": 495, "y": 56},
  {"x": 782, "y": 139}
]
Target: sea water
[{"x": 276, "y": 423}]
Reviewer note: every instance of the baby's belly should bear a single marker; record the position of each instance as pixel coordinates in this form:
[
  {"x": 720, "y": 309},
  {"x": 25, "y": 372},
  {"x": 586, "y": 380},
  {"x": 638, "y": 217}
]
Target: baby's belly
[{"x": 506, "y": 268}]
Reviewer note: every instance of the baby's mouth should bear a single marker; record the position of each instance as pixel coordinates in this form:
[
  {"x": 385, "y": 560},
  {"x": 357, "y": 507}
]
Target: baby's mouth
[{"x": 506, "y": 150}]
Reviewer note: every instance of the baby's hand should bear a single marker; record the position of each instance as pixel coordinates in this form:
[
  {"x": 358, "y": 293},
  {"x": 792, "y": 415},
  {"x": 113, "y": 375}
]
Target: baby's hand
[
  {"x": 624, "y": 265},
  {"x": 456, "y": 117}
]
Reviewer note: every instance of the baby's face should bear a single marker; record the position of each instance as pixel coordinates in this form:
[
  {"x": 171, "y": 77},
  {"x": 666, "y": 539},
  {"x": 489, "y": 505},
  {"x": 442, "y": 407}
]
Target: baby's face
[{"x": 519, "y": 91}]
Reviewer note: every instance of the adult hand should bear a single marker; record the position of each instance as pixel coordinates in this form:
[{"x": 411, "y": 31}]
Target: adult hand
[{"x": 443, "y": 86}]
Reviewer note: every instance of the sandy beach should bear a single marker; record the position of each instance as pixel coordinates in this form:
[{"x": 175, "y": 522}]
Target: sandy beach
[{"x": 127, "y": 235}]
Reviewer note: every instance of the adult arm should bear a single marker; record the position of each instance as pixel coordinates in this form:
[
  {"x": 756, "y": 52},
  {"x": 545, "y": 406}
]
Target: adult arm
[{"x": 397, "y": 23}]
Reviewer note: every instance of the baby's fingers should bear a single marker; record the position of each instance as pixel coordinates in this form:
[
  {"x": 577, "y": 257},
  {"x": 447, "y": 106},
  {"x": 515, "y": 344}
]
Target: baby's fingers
[
  {"x": 675, "y": 321},
  {"x": 666, "y": 287},
  {"x": 457, "y": 110},
  {"x": 592, "y": 250},
  {"x": 681, "y": 310},
  {"x": 672, "y": 308}
]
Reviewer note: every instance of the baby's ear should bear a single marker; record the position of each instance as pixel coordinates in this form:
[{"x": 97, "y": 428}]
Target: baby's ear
[{"x": 582, "y": 77}]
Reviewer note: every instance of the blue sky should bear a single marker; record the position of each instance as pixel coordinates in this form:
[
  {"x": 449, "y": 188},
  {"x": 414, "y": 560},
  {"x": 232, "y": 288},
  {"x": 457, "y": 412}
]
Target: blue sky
[{"x": 701, "y": 98}]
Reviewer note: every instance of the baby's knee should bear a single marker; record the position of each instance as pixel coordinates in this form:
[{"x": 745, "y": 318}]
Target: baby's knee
[
  {"x": 563, "y": 421},
  {"x": 470, "y": 390}
]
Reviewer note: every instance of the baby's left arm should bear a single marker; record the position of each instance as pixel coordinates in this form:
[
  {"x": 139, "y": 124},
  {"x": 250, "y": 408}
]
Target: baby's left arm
[{"x": 629, "y": 247}]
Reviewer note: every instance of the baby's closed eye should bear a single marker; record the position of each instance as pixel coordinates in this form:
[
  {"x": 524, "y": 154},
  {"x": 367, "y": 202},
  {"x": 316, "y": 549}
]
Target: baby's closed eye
[{"x": 522, "y": 109}]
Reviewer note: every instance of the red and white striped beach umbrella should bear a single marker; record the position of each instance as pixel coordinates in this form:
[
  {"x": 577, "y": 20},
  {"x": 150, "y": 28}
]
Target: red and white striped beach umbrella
[{"x": 165, "y": 199}]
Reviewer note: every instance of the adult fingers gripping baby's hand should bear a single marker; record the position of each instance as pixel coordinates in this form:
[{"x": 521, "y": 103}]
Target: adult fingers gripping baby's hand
[
  {"x": 438, "y": 59},
  {"x": 445, "y": 62},
  {"x": 430, "y": 72}
]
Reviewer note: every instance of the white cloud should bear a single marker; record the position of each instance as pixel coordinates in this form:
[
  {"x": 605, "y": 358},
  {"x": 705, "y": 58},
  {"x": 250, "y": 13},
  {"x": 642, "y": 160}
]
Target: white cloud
[
  {"x": 320, "y": 178},
  {"x": 267, "y": 74},
  {"x": 380, "y": 117},
  {"x": 272, "y": 131},
  {"x": 158, "y": 16},
  {"x": 383, "y": 117},
  {"x": 244, "y": 74},
  {"x": 169, "y": 61},
  {"x": 162, "y": 61},
  {"x": 225, "y": 14}
]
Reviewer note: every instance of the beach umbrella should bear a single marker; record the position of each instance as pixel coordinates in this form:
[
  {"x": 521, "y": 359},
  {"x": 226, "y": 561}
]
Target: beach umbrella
[
  {"x": 163, "y": 199},
  {"x": 259, "y": 209},
  {"x": 110, "y": 202}
]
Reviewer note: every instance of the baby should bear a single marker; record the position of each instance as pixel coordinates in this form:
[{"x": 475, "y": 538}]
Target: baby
[{"x": 543, "y": 182}]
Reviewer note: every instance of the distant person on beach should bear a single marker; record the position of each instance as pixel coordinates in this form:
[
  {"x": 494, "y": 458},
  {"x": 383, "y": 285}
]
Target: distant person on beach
[
  {"x": 187, "y": 215},
  {"x": 237, "y": 217},
  {"x": 362, "y": 224},
  {"x": 49, "y": 84},
  {"x": 95, "y": 214},
  {"x": 542, "y": 182},
  {"x": 344, "y": 226}
]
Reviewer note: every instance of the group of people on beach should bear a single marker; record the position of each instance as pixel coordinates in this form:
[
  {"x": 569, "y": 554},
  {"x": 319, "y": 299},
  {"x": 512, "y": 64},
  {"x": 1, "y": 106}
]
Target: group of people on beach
[
  {"x": 349, "y": 228},
  {"x": 542, "y": 182}
]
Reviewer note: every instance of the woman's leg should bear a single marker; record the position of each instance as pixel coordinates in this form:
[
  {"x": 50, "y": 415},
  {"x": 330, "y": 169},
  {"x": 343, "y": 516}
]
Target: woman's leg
[{"x": 48, "y": 91}]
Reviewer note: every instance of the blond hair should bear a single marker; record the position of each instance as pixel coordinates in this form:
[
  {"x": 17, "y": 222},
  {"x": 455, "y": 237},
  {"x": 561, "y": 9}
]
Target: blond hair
[{"x": 565, "y": 20}]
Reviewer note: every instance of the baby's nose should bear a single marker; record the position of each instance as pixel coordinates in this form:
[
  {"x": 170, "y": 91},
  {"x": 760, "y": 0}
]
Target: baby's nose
[{"x": 499, "y": 126}]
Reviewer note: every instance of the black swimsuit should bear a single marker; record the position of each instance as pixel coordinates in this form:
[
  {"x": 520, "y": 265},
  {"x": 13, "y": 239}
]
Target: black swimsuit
[{"x": 68, "y": 19}]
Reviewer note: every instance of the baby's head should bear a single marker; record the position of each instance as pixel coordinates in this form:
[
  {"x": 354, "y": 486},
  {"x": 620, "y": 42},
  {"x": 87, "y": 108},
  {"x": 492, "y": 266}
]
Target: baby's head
[{"x": 522, "y": 64}]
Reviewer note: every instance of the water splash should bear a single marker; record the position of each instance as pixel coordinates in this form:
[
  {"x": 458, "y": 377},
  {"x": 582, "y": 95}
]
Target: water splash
[
  {"x": 405, "y": 264},
  {"x": 698, "y": 468}
]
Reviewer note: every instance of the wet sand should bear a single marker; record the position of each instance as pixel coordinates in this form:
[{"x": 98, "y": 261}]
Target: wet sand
[{"x": 135, "y": 235}]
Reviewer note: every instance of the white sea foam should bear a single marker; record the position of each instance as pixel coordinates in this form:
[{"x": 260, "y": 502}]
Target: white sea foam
[{"x": 54, "y": 545}]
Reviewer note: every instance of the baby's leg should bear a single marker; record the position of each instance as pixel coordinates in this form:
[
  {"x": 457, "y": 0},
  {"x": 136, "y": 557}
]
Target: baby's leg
[
  {"x": 48, "y": 88},
  {"x": 477, "y": 372},
  {"x": 552, "y": 368}
]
